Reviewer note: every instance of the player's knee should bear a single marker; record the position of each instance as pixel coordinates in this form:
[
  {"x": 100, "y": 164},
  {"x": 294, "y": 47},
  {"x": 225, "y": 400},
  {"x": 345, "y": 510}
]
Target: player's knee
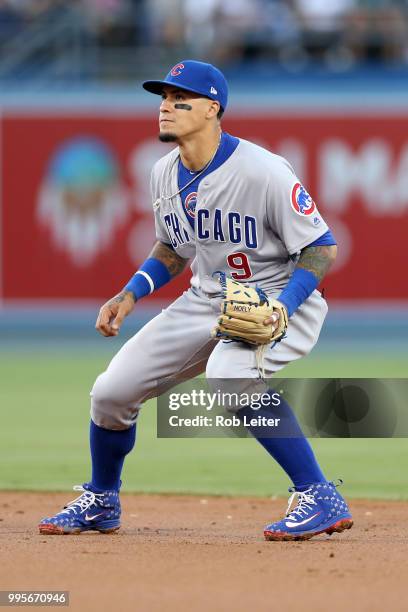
[
  {"x": 101, "y": 392},
  {"x": 109, "y": 409}
]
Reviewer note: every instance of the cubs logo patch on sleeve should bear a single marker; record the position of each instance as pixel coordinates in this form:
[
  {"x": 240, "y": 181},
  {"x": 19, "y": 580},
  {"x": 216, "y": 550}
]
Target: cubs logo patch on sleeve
[{"x": 301, "y": 201}]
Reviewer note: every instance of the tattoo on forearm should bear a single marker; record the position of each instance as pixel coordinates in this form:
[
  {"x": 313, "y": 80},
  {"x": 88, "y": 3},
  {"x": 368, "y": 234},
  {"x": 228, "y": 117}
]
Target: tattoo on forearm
[
  {"x": 121, "y": 297},
  {"x": 317, "y": 259},
  {"x": 173, "y": 262}
]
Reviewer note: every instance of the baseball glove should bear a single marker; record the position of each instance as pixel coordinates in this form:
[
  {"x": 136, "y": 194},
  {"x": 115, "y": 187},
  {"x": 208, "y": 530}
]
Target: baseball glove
[{"x": 243, "y": 312}]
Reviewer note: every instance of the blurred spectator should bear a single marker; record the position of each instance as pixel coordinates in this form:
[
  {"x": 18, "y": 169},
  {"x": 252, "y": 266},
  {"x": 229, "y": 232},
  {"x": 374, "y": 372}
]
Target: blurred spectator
[
  {"x": 323, "y": 15},
  {"x": 275, "y": 35},
  {"x": 323, "y": 28},
  {"x": 377, "y": 31},
  {"x": 200, "y": 27},
  {"x": 166, "y": 22},
  {"x": 112, "y": 22},
  {"x": 218, "y": 28}
]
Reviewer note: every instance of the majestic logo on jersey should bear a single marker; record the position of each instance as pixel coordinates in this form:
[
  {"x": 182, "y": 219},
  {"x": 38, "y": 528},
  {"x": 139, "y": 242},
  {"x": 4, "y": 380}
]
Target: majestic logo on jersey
[
  {"x": 190, "y": 204},
  {"x": 301, "y": 201},
  {"x": 176, "y": 70}
]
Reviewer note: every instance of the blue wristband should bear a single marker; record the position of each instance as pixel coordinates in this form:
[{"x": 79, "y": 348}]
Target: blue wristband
[
  {"x": 152, "y": 275},
  {"x": 301, "y": 284}
]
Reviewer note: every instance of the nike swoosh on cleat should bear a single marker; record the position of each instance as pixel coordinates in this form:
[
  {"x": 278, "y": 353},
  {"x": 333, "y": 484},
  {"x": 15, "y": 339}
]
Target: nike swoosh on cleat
[
  {"x": 289, "y": 524},
  {"x": 92, "y": 518}
]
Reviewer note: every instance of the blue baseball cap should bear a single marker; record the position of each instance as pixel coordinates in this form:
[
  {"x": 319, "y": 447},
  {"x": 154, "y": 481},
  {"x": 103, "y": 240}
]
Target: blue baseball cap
[{"x": 198, "y": 77}]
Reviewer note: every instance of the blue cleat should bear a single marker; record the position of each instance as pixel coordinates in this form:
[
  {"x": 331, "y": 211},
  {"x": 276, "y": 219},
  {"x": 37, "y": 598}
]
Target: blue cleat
[
  {"x": 89, "y": 512},
  {"x": 320, "y": 509}
]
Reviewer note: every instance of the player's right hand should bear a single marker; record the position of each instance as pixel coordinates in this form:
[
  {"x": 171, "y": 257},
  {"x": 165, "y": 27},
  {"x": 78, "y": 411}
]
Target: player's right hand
[{"x": 112, "y": 314}]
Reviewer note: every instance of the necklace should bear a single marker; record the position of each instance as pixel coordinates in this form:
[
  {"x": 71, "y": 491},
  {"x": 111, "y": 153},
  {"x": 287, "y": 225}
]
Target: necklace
[{"x": 195, "y": 177}]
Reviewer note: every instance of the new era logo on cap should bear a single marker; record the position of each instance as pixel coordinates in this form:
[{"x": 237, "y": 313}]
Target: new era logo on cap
[{"x": 198, "y": 77}]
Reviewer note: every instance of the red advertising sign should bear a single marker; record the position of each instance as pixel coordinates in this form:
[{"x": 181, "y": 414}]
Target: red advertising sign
[{"x": 77, "y": 217}]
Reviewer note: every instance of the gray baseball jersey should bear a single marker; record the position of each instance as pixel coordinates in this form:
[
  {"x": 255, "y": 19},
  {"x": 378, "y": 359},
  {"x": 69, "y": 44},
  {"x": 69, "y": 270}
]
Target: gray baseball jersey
[{"x": 252, "y": 216}]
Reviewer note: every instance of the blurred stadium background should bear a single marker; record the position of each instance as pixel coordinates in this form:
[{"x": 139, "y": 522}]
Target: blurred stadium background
[{"x": 324, "y": 83}]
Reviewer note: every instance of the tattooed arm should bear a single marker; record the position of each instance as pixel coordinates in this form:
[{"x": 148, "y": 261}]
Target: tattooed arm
[
  {"x": 313, "y": 264},
  {"x": 317, "y": 259},
  {"x": 112, "y": 314},
  {"x": 173, "y": 262}
]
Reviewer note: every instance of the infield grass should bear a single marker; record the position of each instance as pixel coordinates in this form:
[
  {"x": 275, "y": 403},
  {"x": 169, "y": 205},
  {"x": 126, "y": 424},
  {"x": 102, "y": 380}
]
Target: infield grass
[{"x": 44, "y": 436}]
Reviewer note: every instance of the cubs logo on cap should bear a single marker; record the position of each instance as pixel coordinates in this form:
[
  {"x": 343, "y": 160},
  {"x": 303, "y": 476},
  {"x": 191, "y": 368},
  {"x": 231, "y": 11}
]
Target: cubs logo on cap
[
  {"x": 301, "y": 201},
  {"x": 197, "y": 77},
  {"x": 176, "y": 70}
]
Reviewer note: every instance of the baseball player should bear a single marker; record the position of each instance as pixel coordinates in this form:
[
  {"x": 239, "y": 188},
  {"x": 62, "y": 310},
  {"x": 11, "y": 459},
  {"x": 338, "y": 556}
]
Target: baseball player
[{"x": 230, "y": 206}]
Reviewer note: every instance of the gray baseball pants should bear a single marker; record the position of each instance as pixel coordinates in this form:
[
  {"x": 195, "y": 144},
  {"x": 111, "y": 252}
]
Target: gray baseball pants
[{"x": 177, "y": 344}]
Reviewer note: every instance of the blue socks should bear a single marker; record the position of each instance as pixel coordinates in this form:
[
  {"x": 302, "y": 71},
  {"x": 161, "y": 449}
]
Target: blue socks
[
  {"x": 293, "y": 453},
  {"x": 108, "y": 451},
  {"x": 286, "y": 444}
]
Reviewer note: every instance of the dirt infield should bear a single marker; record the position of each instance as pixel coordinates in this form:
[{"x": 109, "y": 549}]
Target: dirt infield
[{"x": 191, "y": 553}]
